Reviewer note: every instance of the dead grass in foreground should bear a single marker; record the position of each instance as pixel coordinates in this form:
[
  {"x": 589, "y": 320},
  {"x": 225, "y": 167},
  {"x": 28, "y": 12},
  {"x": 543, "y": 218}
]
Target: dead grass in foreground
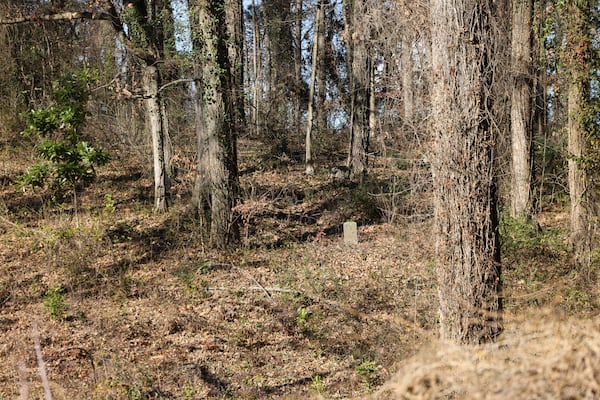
[{"x": 539, "y": 357}]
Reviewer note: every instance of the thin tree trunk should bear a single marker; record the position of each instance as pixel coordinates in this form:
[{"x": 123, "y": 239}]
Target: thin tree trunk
[
  {"x": 235, "y": 27},
  {"x": 407, "y": 76},
  {"x": 372, "y": 103},
  {"x": 256, "y": 67},
  {"x": 361, "y": 63},
  {"x": 311, "y": 93},
  {"x": 167, "y": 145},
  {"x": 298, "y": 61},
  {"x": 467, "y": 248},
  {"x": 154, "y": 120},
  {"x": 520, "y": 111},
  {"x": 320, "y": 65}
]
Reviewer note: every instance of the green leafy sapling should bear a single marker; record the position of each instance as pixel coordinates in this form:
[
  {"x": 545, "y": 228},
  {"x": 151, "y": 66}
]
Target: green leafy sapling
[{"x": 65, "y": 160}]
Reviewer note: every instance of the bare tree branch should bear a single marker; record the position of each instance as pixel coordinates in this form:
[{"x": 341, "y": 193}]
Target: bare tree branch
[{"x": 62, "y": 16}]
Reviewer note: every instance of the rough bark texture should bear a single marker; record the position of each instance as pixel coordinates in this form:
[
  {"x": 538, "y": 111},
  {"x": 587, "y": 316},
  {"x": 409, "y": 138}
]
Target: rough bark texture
[
  {"x": 577, "y": 60},
  {"x": 154, "y": 123},
  {"x": 359, "y": 86},
  {"x": 235, "y": 47},
  {"x": 580, "y": 236},
  {"x": 217, "y": 183},
  {"x": 463, "y": 171},
  {"x": 520, "y": 112}
]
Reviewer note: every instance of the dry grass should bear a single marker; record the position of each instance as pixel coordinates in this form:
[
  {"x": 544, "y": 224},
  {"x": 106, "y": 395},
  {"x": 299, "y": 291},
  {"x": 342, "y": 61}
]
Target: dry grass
[{"x": 542, "y": 356}]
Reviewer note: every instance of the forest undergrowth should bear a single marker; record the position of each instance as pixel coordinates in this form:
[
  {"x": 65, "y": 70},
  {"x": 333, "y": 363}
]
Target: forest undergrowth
[{"x": 133, "y": 305}]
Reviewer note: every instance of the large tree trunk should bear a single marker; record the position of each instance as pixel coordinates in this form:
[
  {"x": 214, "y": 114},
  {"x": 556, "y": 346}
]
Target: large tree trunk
[
  {"x": 580, "y": 235},
  {"x": 467, "y": 248},
  {"x": 217, "y": 183},
  {"x": 577, "y": 58},
  {"x": 520, "y": 111},
  {"x": 154, "y": 123}
]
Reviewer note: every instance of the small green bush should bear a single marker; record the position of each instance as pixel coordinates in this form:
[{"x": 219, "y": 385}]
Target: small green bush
[
  {"x": 54, "y": 301},
  {"x": 65, "y": 160}
]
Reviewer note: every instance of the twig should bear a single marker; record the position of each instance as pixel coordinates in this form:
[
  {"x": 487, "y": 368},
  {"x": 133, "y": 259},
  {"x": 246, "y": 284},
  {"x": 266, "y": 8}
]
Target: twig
[
  {"x": 23, "y": 381},
  {"x": 40, "y": 361},
  {"x": 260, "y": 287},
  {"x": 254, "y": 288}
]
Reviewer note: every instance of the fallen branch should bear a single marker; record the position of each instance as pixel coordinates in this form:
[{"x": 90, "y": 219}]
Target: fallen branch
[
  {"x": 253, "y": 288},
  {"x": 40, "y": 361},
  {"x": 259, "y": 285}
]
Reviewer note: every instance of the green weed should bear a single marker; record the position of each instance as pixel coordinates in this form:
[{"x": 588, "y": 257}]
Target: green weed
[
  {"x": 368, "y": 370},
  {"x": 54, "y": 301},
  {"x": 302, "y": 316},
  {"x": 317, "y": 385}
]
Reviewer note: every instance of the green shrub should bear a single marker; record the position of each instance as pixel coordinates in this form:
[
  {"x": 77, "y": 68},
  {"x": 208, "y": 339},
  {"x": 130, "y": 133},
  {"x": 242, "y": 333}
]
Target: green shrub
[
  {"x": 65, "y": 160},
  {"x": 54, "y": 301}
]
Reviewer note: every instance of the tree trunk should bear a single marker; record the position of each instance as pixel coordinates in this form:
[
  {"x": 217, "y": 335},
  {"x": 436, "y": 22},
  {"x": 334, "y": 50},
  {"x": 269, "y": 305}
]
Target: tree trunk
[
  {"x": 577, "y": 59},
  {"x": 407, "y": 76},
  {"x": 320, "y": 37},
  {"x": 298, "y": 60},
  {"x": 467, "y": 248},
  {"x": 360, "y": 85},
  {"x": 283, "y": 86},
  {"x": 235, "y": 28},
  {"x": 256, "y": 69},
  {"x": 167, "y": 145},
  {"x": 580, "y": 235},
  {"x": 310, "y": 170},
  {"x": 520, "y": 111},
  {"x": 154, "y": 123},
  {"x": 217, "y": 190}
]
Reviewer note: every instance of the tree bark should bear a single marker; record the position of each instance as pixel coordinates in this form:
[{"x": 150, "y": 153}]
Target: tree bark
[
  {"x": 283, "y": 85},
  {"x": 577, "y": 59},
  {"x": 154, "y": 121},
  {"x": 360, "y": 86},
  {"x": 257, "y": 70},
  {"x": 310, "y": 170},
  {"x": 520, "y": 111},
  {"x": 235, "y": 46},
  {"x": 580, "y": 235},
  {"x": 467, "y": 248},
  {"x": 217, "y": 192},
  {"x": 321, "y": 68}
]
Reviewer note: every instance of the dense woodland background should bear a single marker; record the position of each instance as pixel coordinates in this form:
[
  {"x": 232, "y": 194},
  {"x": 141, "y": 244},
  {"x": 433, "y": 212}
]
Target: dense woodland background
[{"x": 175, "y": 175}]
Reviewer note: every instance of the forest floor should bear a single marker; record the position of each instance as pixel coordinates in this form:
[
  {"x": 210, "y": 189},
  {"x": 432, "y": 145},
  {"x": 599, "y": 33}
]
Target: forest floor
[{"x": 133, "y": 305}]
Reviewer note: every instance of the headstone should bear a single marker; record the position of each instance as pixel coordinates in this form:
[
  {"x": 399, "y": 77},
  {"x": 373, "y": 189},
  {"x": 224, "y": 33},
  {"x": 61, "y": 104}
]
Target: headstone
[{"x": 350, "y": 232}]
